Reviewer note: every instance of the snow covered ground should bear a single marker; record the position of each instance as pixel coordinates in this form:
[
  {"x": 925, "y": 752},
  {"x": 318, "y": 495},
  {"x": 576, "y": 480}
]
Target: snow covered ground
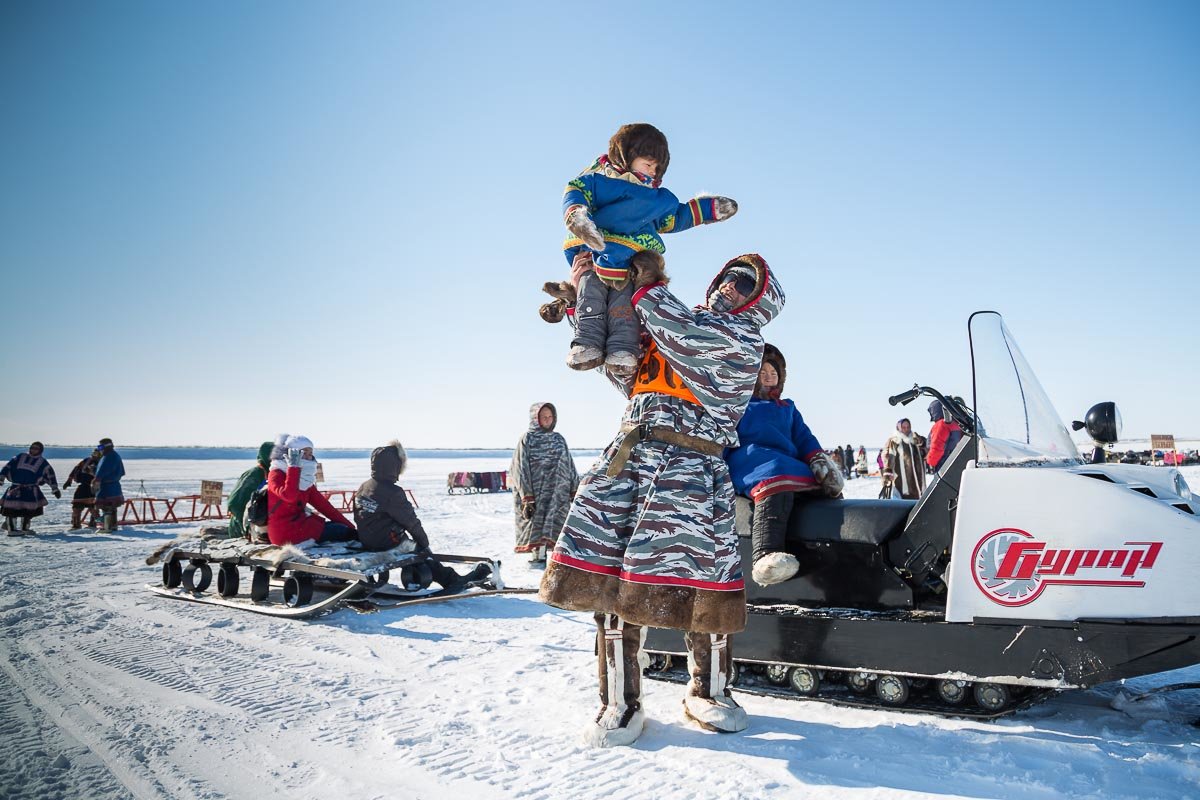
[{"x": 108, "y": 691}]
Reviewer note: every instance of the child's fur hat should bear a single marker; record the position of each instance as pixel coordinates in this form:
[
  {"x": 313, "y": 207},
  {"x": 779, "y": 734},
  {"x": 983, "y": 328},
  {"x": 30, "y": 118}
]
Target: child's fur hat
[
  {"x": 639, "y": 139},
  {"x": 772, "y": 356}
]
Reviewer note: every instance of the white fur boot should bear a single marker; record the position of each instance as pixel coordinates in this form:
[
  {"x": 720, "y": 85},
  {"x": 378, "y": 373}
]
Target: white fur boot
[
  {"x": 584, "y": 357},
  {"x": 775, "y": 568},
  {"x": 621, "y": 365},
  {"x": 708, "y": 702},
  {"x": 622, "y": 659}
]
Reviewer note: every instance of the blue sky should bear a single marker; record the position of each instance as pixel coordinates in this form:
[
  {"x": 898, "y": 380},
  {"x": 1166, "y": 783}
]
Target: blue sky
[{"x": 221, "y": 221}]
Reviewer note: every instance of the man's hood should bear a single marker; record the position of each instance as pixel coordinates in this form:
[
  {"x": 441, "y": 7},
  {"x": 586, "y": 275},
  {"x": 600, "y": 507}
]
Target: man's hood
[
  {"x": 536, "y": 409},
  {"x": 388, "y": 462},
  {"x": 264, "y": 453},
  {"x": 767, "y": 299}
]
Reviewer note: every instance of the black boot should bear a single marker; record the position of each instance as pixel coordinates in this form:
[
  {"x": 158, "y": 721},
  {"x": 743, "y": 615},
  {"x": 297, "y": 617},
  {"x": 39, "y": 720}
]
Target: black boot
[{"x": 772, "y": 563}]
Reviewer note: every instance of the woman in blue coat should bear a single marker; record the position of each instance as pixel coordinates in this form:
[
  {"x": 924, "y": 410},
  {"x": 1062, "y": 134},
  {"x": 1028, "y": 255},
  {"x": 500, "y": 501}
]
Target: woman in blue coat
[{"x": 776, "y": 457}]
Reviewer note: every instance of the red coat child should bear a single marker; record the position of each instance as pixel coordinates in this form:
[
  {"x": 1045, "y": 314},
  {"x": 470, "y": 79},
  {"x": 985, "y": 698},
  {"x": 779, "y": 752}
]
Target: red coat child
[{"x": 292, "y": 488}]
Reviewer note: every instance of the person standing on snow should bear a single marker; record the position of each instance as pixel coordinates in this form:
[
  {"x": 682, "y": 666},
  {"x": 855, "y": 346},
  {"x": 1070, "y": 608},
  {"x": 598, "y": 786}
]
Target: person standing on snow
[
  {"x": 777, "y": 456},
  {"x": 387, "y": 520},
  {"x": 650, "y": 537},
  {"x": 291, "y": 486},
  {"x": 903, "y": 463},
  {"x": 544, "y": 480},
  {"x": 860, "y": 462},
  {"x": 85, "y": 497},
  {"x": 943, "y": 437},
  {"x": 848, "y": 464},
  {"x": 250, "y": 482},
  {"x": 107, "y": 484},
  {"x": 24, "y": 499},
  {"x": 615, "y": 208}
]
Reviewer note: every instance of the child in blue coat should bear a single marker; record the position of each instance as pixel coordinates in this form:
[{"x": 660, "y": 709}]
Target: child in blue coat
[
  {"x": 777, "y": 455},
  {"x": 616, "y": 208}
]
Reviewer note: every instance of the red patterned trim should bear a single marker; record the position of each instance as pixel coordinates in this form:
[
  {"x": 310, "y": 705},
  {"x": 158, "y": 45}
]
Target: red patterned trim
[
  {"x": 612, "y": 273},
  {"x": 780, "y": 484},
  {"x": 653, "y": 580},
  {"x": 640, "y": 293}
]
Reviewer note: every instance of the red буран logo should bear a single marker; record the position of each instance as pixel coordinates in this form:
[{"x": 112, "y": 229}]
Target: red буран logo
[{"x": 1013, "y": 569}]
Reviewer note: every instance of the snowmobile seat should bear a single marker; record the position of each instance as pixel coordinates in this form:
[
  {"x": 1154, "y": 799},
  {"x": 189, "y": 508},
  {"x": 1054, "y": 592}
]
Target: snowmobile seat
[
  {"x": 869, "y": 522},
  {"x": 863, "y": 522}
]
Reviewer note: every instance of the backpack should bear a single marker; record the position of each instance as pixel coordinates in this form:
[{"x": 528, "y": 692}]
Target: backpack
[{"x": 257, "y": 509}]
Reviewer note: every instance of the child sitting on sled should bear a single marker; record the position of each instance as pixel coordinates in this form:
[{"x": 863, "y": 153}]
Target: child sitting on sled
[
  {"x": 616, "y": 208},
  {"x": 777, "y": 455}
]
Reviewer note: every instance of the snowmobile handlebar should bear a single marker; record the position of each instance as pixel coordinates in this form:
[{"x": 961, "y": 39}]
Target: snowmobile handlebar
[
  {"x": 904, "y": 398},
  {"x": 957, "y": 410}
]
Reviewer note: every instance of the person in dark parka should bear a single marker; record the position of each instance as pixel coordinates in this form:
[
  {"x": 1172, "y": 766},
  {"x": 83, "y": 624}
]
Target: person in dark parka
[{"x": 385, "y": 519}]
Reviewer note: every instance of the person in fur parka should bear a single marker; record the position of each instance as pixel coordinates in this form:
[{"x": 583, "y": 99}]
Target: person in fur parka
[
  {"x": 903, "y": 463},
  {"x": 615, "y": 208},
  {"x": 778, "y": 456},
  {"x": 650, "y": 539}
]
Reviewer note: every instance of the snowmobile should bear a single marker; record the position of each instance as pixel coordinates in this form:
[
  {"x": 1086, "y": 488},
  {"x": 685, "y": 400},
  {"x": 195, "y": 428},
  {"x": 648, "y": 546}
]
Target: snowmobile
[
  {"x": 301, "y": 582},
  {"x": 1020, "y": 571}
]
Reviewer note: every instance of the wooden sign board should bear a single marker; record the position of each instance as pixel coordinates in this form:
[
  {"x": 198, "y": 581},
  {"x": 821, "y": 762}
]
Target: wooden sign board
[
  {"x": 210, "y": 492},
  {"x": 1162, "y": 441},
  {"x": 320, "y": 473}
]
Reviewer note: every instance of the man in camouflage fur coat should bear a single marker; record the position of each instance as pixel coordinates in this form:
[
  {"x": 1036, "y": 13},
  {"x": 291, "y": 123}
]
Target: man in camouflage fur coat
[{"x": 650, "y": 539}]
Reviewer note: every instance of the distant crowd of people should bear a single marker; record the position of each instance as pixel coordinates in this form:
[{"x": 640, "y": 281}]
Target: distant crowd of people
[{"x": 97, "y": 480}]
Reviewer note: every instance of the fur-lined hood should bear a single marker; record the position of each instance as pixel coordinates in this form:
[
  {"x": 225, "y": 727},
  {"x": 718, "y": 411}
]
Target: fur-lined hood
[
  {"x": 388, "y": 462},
  {"x": 767, "y": 299},
  {"x": 772, "y": 356}
]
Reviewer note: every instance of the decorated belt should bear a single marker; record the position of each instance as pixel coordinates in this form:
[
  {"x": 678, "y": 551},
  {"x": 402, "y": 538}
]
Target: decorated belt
[{"x": 642, "y": 432}]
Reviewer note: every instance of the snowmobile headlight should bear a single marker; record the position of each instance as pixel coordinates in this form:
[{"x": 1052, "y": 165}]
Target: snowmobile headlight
[
  {"x": 1182, "y": 489},
  {"x": 1103, "y": 423}
]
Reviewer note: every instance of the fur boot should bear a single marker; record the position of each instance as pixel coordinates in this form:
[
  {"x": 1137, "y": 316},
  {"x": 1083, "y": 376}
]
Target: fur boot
[
  {"x": 76, "y": 518},
  {"x": 25, "y": 523},
  {"x": 109, "y": 520},
  {"x": 621, "y": 659},
  {"x": 708, "y": 702},
  {"x": 768, "y": 536},
  {"x": 621, "y": 365},
  {"x": 584, "y": 357}
]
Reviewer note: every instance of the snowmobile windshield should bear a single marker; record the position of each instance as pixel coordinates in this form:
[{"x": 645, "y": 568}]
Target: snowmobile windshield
[{"x": 1016, "y": 421}]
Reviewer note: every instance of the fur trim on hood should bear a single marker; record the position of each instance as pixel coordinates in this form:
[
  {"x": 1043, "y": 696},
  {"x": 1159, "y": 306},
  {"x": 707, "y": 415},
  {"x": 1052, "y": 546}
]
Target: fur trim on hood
[
  {"x": 767, "y": 299},
  {"x": 772, "y": 356},
  {"x": 389, "y": 462}
]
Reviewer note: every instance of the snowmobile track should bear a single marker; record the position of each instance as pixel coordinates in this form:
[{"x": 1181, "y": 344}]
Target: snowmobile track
[{"x": 840, "y": 696}]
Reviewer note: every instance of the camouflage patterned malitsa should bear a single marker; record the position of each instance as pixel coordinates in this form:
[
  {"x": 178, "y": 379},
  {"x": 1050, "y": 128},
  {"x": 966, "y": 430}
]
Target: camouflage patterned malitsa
[{"x": 656, "y": 544}]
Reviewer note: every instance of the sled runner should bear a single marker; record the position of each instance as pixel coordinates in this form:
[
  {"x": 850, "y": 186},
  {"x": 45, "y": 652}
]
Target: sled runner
[
  {"x": 299, "y": 582},
  {"x": 475, "y": 482},
  {"x": 1020, "y": 571}
]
